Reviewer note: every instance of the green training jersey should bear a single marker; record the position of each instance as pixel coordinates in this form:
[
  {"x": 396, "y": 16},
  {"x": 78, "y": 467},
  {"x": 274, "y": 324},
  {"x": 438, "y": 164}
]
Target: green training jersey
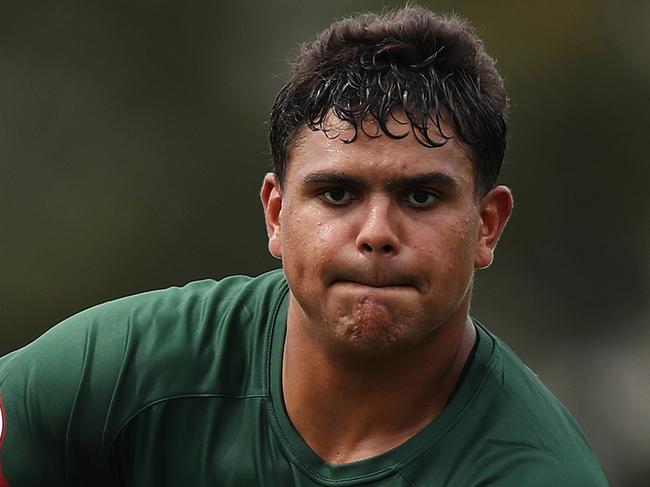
[{"x": 183, "y": 387}]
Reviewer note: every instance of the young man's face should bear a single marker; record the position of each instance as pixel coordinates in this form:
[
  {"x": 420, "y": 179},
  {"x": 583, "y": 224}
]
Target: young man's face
[{"x": 379, "y": 238}]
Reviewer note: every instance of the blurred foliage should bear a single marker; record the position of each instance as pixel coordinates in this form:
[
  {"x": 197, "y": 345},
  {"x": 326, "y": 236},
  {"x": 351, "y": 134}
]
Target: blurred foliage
[{"x": 133, "y": 142}]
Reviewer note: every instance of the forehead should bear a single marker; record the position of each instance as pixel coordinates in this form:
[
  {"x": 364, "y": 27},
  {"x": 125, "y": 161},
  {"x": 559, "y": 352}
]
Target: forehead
[{"x": 371, "y": 153}]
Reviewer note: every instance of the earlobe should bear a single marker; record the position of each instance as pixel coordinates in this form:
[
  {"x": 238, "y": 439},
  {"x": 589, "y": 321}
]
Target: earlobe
[
  {"x": 496, "y": 208},
  {"x": 271, "y": 196}
]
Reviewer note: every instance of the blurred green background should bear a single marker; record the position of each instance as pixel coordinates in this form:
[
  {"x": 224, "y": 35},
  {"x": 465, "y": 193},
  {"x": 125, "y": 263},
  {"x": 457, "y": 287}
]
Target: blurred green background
[{"x": 133, "y": 143}]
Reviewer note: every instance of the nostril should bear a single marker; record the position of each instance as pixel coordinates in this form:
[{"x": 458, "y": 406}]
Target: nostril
[{"x": 369, "y": 249}]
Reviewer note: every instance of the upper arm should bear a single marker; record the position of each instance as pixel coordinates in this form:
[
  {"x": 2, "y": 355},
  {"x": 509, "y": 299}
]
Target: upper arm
[
  {"x": 55, "y": 397},
  {"x": 37, "y": 390}
]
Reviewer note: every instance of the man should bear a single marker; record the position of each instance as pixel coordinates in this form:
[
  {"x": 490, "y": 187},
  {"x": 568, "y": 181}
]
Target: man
[{"x": 358, "y": 364}]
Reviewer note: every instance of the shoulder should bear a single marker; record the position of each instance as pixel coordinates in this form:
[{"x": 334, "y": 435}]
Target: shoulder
[
  {"x": 536, "y": 468},
  {"x": 168, "y": 318},
  {"x": 204, "y": 302},
  {"x": 67, "y": 395},
  {"x": 110, "y": 360},
  {"x": 529, "y": 435}
]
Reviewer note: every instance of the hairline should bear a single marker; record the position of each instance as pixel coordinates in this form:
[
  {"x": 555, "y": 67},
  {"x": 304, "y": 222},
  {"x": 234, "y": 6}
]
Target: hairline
[{"x": 304, "y": 129}]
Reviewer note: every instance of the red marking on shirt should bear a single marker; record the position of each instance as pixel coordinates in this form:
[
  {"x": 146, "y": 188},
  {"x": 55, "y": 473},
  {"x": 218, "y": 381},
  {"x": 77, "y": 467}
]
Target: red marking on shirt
[
  {"x": 3, "y": 428},
  {"x": 2, "y": 421}
]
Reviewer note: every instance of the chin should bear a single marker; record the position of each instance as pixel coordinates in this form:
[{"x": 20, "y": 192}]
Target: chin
[{"x": 370, "y": 325}]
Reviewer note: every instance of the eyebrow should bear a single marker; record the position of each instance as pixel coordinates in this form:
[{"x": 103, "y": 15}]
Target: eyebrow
[
  {"x": 332, "y": 177},
  {"x": 434, "y": 178}
]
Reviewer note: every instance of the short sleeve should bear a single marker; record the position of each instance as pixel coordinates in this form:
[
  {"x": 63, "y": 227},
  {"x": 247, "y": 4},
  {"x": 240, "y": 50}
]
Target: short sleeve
[{"x": 54, "y": 394}]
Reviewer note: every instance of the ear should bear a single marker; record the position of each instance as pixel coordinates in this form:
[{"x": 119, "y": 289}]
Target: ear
[
  {"x": 495, "y": 210},
  {"x": 271, "y": 195}
]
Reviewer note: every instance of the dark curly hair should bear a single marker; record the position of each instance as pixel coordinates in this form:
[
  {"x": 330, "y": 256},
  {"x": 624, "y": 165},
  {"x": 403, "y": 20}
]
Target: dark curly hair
[{"x": 433, "y": 67}]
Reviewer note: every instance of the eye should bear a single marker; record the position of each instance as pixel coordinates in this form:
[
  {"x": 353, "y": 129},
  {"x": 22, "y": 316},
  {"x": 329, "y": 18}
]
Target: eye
[
  {"x": 421, "y": 198},
  {"x": 336, "y": 196}
]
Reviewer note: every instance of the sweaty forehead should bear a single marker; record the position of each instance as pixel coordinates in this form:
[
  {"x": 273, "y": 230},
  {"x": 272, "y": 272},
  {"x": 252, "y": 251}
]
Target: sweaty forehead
[{"x": 338, "y": 145}]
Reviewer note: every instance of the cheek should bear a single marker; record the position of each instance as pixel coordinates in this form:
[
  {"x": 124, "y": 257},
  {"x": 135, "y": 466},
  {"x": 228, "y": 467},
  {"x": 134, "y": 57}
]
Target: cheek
[
  {"x": 460, "y": 252},
  {"x": 447, "y": 251},
  {"x": 309, "y": 244}
]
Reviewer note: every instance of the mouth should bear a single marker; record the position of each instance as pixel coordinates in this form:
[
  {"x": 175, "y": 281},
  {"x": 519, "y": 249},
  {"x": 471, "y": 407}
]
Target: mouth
[
  {"x": 378, "y": 285},
  {"x": 376, "y": 280},
  {"x": 384, "y": 277}
]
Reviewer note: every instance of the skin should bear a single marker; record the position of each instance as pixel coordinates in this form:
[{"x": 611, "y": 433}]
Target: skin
[{"x": 379, "y": 240}]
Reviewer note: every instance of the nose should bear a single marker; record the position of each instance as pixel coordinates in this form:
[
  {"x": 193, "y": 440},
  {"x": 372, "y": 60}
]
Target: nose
[{"x": 378, "y": 234}]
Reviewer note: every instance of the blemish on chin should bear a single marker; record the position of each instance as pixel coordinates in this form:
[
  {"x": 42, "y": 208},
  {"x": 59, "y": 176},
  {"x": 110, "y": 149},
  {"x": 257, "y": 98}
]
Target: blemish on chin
[{"x": 371, "y": 323}]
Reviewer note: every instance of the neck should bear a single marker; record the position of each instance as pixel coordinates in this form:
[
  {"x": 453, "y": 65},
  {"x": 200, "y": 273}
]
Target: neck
[{"x": 352, "y": 408}]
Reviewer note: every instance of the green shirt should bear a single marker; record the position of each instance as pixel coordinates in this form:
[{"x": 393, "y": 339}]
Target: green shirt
[{"x": 183, "y": 387}]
